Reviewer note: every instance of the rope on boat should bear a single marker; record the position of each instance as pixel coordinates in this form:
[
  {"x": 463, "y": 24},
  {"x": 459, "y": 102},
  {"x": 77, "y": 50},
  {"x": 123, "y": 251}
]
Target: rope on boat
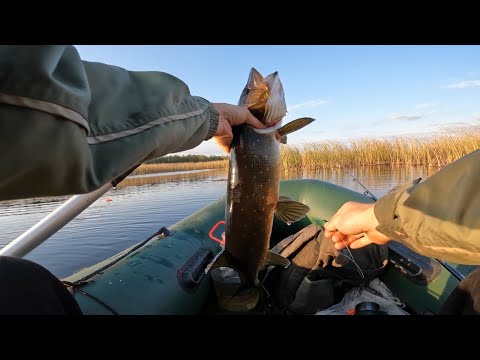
[
  {"x": 74, "y": 288},
  {"x": 163, "y": 230},
  {"x": 99, "y": 301}
]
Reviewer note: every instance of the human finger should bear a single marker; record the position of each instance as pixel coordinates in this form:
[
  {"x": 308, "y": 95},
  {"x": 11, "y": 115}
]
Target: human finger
[
  {"x": 254, "y": 122},
  {"x": 342, "y": 240},
  {"x": 359, "y": 242},
  {"x": 338, "y": 237},
  {"x": 330, "y": 227}
]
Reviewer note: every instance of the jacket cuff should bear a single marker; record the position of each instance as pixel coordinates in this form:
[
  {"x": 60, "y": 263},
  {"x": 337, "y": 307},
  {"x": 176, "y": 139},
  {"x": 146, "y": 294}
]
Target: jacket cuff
[
  {"x": 214, "y": 118},
  {"x": 385, "y": 209}
]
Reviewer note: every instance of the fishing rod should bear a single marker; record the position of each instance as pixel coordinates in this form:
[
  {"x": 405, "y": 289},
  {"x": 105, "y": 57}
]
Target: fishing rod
[
  {"x": 445, "y": 264},
  {"x": 366, "y": 192}
]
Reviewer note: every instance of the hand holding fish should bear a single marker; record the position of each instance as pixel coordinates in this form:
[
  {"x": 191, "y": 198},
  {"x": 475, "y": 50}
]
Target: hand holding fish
[
  {"x": 232, "y": 115},
  {"x": 354, "y": 225}
]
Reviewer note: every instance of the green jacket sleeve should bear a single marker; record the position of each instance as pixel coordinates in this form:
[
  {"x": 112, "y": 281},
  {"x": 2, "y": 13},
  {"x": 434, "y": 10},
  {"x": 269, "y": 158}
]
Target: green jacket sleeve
[
  {"x": 69, "y": 126},
  {"x": 439, "y": 217}
]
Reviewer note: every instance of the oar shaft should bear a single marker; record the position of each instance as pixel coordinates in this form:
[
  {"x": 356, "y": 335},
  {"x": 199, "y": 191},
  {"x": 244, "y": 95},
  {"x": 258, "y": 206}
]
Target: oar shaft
[
  {"x": 53, "y": 222},
  {"x": 57, "y": 219}
]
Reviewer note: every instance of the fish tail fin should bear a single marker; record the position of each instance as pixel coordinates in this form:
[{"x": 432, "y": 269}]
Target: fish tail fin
[
  {"x": 294, "y": 125},
  {"x": 234, "y": 293},
  {"x": 244, "y": 299},
  {"x": 290, "y": 211}
]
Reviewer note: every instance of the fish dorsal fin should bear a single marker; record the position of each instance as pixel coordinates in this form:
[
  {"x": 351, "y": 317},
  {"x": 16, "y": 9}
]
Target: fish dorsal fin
[
  {"x": 276, "y": 260},
  {"x": 294, "y": 125},
  {"x": 289, "y": 210}
]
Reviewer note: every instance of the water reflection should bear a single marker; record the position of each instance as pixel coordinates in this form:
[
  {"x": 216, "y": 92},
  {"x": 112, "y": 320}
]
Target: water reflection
[
  {"x": 377, "y": 179},
  {"x": 193, "y": 175},
  {"x": 140, "y": 205}
]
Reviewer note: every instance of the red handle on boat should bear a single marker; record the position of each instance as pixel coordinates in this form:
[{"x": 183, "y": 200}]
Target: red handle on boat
[{"x": 210, "y": 234}]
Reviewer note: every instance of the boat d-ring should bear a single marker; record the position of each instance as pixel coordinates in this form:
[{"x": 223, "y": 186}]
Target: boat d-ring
[{"x": 211, "y": 236}]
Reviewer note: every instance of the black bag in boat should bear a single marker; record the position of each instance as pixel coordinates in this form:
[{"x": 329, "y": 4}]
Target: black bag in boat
[{"x": 319, "y": 275}]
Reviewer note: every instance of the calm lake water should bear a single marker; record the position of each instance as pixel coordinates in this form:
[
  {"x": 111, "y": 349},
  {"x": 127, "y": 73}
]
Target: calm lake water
[{"x": 143, "y": 204}]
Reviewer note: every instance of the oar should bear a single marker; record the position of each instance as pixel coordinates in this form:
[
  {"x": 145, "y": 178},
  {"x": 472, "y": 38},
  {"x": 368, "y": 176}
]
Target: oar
[{"x": 57, "y": 219}]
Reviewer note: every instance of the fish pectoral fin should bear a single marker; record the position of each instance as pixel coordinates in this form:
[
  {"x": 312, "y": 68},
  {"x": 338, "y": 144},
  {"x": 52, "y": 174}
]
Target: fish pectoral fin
[
  {"x": 294, "y": 125},
  {"x": 289, "y": 210},
  {"x": 276, "y": 260},
  {"x": 283, "y": 139}
]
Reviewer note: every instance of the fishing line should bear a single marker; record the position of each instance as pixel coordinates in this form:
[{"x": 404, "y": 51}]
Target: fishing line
[
  {"x": 367, "y": 193},
  {"x": 445, "y": 264},
  {"x": 352, "y": 259}
]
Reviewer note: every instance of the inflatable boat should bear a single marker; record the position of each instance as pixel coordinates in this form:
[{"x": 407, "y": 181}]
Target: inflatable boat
[{"x": 165, "y": 274}]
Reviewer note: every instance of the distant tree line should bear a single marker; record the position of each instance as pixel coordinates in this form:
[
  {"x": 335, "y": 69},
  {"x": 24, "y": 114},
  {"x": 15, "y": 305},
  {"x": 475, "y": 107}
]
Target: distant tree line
[{"x": 173, "y": 159}]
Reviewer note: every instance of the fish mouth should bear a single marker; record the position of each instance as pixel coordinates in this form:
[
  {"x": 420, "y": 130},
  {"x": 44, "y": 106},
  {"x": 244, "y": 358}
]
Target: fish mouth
[
  {"x": 265, "y": 98},
  {"x": 275, "y": 106}
]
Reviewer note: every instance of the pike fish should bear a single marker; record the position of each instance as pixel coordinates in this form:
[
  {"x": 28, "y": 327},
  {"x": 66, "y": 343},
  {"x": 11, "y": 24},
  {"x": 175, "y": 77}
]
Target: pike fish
[{"x": 253, "y": 190}]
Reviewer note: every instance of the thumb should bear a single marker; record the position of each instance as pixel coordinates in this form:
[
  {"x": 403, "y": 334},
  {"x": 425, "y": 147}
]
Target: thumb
[{"x": 254, "y": 122}]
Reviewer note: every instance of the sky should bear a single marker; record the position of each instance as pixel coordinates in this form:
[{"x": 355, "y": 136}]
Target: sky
[{"x": 353, "y": 91}]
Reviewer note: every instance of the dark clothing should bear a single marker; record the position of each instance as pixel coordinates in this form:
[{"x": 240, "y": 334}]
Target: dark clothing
[
  {"x": 27, "y": 288},
  {"x": 465, "y": 298}
]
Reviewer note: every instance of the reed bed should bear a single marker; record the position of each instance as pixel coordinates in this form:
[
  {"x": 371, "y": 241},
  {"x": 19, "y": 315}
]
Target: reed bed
[
  {"x": 185, "y": 166},
  {"x": 436, "y": 151}
]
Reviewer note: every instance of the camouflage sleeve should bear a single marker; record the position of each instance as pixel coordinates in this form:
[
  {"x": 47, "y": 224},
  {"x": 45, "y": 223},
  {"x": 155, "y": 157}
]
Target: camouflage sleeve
[
  {"x": 70, "y": 126},
  {"x": 439, "y": 217}
]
